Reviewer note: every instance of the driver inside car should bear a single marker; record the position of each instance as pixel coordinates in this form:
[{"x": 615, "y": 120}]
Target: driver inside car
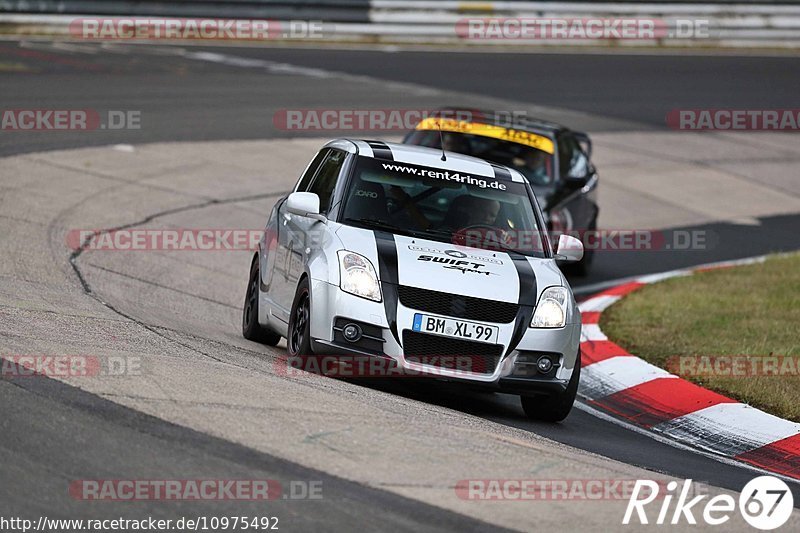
[
  {"x": 483, "y": 211},
  {"x": 467, "y": 210}
]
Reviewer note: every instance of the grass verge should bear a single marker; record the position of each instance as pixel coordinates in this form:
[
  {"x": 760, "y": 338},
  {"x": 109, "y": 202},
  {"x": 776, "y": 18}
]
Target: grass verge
[{"x": 723, "y": 330}]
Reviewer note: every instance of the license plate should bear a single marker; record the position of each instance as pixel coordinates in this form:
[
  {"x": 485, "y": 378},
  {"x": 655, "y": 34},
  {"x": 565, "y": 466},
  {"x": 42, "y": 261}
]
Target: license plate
[{"x": 455, "y": 328}]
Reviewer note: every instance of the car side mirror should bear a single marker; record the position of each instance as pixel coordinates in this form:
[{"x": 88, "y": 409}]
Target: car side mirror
[
  {"x": 585, "y": 142},
  {"x": 569, "y": 249},
  {"x": 304, "y": 204},
  {"x": 576, "y": 182}
]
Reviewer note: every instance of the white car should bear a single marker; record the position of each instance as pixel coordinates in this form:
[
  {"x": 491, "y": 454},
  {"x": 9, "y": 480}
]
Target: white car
[{"x": 434, "y": 261}]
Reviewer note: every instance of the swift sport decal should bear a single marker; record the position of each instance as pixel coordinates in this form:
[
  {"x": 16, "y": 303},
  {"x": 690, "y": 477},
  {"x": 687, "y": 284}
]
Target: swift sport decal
[
  {"x": 456, "y": 264},
  {"x": 456, "y": 253},
  {"x": 441, "y": 267}
]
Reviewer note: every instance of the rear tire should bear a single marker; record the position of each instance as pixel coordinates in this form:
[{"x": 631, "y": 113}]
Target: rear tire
[
  {"x": 556, "y": 407},
  {"x": 251, "y": 329},
  {"x": 299, "y": 340}
]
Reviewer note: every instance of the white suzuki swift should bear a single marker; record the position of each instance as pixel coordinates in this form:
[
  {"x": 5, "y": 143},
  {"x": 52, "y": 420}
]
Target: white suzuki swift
[{"x": 433, "y": 261}]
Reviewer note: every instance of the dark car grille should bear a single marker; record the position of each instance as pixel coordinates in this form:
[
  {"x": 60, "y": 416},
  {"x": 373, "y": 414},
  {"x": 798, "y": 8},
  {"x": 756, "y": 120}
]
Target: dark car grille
[
  {"x": 455, "y": 354},
  {"x": 466, "y": 307}
]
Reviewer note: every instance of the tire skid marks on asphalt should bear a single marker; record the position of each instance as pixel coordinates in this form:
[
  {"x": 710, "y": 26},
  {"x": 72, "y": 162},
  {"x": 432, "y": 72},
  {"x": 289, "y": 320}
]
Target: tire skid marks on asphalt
[
  {"x": 632, "y": 389},
  {"x": 780, "y": 456},
  {"x": 728, "y": 428},
  {"x": 659, "y": 400}
]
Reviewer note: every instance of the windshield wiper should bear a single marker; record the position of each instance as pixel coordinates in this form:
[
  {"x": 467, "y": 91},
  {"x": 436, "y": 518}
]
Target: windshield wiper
[
  {"x": 508, "y": 248},
  {"x": 376, "y": 224},
  {"x": 494, "y": 244}
]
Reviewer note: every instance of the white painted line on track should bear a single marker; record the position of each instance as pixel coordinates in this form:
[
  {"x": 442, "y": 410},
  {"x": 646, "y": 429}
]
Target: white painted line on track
[
  {"x": 591, "y": 333},
  {"x": 597, "y": 304}
]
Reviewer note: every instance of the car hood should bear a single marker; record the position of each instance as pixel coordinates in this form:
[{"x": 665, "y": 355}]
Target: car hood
[{"x": 444, "y": 267}]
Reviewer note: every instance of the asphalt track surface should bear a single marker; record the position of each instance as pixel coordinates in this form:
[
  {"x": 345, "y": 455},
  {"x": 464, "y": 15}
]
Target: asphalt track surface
[
  {"x": 189, "y": 100},
  {"x": 185, "y": 99}
]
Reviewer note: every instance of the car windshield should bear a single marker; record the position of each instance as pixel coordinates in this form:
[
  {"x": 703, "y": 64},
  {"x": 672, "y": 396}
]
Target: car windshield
[
  {"x": 534, "y": 164},
  {"x": 442, "y": 205}
]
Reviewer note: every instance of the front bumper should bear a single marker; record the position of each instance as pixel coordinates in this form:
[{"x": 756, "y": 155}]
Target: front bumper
[{"x": 330, "y": 303}]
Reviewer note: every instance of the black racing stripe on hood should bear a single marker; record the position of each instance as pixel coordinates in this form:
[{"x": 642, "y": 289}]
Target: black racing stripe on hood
[
  {"x": 527, "y": 299},
  {"x": 381, "y": 150},
  {"x": 387, "y": 266}
]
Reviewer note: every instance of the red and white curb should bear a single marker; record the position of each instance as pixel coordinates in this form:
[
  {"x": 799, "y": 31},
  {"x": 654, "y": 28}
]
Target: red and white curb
[{"x": 616, "y": 382}]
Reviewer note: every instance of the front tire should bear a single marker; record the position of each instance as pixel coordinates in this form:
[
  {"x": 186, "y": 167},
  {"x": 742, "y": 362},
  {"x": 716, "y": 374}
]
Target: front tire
[
  {"x": 556, "y": 407},
  {"x": 251, "y": 329},
  {"x": 299, "y": 340}
]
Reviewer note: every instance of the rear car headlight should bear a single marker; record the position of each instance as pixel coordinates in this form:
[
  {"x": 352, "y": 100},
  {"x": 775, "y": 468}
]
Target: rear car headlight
[
  {"x": 357, "y": 276},
  {"x": 552, "y": 309}
]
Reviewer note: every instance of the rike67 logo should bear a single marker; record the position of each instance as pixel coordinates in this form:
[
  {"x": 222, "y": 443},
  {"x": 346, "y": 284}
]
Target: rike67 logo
[{"x": 766, "y": 503}]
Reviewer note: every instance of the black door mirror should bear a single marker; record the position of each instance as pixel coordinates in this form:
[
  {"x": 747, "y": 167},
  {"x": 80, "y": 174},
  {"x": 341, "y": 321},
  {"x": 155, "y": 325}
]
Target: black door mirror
[
  {"x": 585, "y": 142},
  {"x": 574, "y": 159}
]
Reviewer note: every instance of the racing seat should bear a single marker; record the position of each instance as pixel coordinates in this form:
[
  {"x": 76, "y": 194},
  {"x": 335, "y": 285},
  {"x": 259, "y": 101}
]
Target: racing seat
[{"x": 368, "y": 201}]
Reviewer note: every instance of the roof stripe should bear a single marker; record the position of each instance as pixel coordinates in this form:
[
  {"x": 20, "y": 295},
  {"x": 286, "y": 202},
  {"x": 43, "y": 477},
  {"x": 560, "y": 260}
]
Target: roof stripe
[
  {"x": 381, "y": 150},
  {"x": 363, "y": 148}
]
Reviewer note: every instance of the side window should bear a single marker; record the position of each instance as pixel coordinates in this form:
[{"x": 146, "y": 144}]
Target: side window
[
  {"x": 571, "y": 159},
  {"x": 305, "y": 181},
  {"x": 326, "y": 178}
]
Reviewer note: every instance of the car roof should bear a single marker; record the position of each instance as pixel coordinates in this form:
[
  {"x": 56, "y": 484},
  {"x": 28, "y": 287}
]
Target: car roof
[
  {"x": 504, "y": 118},
  {"x": 429, "y": 157}
]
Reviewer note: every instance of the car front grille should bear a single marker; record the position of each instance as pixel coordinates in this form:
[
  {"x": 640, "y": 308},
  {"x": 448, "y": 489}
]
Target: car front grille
[
  {"x": 455, "y": 305},
  {"x": 453, "y": 354}
]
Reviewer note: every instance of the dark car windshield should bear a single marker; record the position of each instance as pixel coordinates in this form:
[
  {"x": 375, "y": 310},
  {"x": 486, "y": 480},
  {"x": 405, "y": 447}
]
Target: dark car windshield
[
  {"x": 534, "y": 164},
  {"x": 442, "y": 205}
]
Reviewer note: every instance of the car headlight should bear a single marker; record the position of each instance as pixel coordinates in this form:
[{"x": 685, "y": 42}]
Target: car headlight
[
  {"x": 357, "y": 276},
  {"x": 552, "y": 309}
]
